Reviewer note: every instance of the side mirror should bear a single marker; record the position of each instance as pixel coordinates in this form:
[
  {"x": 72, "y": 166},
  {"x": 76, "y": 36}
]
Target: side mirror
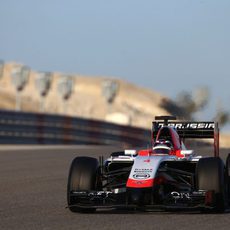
[{"x": 130, "y": 152}]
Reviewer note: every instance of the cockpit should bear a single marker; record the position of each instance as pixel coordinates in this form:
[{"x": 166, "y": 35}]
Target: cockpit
[{"x": 164, "y": 134}]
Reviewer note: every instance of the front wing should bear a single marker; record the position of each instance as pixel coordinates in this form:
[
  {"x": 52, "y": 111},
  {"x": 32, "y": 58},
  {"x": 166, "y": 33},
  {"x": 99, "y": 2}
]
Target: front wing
[{"x": 126, "y": 200}]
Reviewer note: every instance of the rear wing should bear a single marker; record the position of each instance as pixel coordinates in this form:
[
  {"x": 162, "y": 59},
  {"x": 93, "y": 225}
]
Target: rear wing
[{"x": 201, "y": 129}]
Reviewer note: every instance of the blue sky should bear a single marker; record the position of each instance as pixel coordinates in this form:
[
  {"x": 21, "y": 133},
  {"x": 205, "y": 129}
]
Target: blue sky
[{"x": 164, "y": 45}]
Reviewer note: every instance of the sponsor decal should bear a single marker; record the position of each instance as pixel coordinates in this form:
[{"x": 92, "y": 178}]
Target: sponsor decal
[
  {"x": 148, "y": 160},
  {"x": 100, "y": 193},
  {"x": 136, "y": 170},
  {"x": 179, "y": 196},
  {"x": 93, "y": 193},
  {"x": 139, "y": 182},
  {"x": 192, "y": 125},
  {"x": 141, "y": 176}
]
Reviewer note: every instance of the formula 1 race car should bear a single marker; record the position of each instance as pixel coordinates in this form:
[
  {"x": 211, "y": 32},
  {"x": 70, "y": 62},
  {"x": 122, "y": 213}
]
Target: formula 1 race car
[{"x": 166, "y": 176}]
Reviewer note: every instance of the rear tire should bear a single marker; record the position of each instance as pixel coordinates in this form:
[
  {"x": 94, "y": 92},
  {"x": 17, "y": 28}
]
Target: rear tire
[
  {"x": 228, "y": 176},
  {"x": 82, "y": 176},
  {"x": 211, "y": 176}
]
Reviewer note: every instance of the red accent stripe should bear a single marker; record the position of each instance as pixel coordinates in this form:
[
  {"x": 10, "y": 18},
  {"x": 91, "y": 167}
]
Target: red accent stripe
[
  {"x": 145, "y": 152},
  {"x": 131, "y": 183}
]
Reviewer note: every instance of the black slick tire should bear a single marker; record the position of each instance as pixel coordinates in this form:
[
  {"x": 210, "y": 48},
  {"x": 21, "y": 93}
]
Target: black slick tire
[
  {"x": 82, "y": 177},
  {"x": 210, "y": 174},
  {"x": 228, "y": 176}
]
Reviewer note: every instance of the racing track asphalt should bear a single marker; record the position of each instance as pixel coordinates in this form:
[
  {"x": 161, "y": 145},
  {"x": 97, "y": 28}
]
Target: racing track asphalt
[{"x": 33, "y": 196}]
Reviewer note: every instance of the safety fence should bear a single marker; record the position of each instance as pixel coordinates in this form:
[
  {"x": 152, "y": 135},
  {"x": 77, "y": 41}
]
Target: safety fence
[{"x": 37, "y": 128}]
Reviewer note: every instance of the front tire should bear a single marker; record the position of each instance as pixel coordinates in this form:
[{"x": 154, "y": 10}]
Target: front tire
[
  {"x": 82, "y": 176},
  {"x": 211, "y": 177}
]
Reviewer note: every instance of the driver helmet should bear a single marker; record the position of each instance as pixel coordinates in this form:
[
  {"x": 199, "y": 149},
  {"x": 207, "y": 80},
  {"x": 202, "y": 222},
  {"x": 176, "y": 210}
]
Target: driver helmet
[{"x": 162, "y": 147}]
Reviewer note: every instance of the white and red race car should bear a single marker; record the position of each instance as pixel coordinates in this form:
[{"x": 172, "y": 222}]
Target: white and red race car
[{"x": 166, "y": 176}]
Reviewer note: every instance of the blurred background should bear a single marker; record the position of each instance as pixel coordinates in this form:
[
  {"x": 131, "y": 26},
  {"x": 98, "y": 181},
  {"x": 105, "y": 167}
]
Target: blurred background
[{"x": 119, "y": 61}]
